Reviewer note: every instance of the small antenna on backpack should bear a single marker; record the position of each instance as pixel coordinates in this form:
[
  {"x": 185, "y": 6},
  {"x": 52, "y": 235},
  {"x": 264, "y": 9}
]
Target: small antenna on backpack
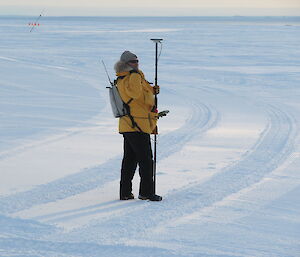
[{"x": 107, "y": 73}]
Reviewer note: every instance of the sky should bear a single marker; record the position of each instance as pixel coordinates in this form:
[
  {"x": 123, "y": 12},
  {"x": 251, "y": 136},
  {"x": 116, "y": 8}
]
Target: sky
[{"x": 151, "y": 8}]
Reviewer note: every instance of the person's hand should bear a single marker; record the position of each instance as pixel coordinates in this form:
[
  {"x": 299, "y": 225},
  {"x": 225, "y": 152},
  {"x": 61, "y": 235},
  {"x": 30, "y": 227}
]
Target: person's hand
[{"x": 156, "y": 90}]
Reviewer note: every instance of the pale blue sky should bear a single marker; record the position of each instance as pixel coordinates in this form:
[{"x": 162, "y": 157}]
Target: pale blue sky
[{"x": 151, "y": 7}]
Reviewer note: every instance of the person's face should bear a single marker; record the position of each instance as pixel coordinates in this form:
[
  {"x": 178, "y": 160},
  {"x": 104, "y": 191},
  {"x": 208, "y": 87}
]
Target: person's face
[{"x": 134, "y": 64}]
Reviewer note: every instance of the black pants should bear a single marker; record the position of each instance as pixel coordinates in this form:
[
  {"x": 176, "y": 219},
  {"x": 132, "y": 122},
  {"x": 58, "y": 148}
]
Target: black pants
[{"x": 137, "y": 151}]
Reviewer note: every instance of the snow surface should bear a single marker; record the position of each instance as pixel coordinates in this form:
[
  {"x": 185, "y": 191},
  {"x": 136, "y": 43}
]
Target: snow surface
[{"x": 228, "y": 153}]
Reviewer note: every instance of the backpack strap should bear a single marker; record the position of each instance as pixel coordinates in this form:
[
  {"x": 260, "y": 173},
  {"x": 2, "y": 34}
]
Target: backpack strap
[
  {"x": 130, "y": 100},
  {"x": 116, "y": 80},
  {"x": 134, "y": 124},
  {"x": 126, "y": 105}
]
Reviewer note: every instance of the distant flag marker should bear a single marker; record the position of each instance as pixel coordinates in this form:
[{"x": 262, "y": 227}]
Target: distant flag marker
[{"x": 34, "y": 24}]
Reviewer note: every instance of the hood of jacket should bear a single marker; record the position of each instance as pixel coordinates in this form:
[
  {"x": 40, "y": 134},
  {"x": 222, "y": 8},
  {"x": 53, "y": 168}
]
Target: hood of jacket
[{"x": 121, "y": 67}]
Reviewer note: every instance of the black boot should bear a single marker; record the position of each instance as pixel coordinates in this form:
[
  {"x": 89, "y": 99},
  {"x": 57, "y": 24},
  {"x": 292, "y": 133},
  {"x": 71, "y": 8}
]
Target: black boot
[
  {"x": 127, "y": 197},
  {"x": 155, "y": 198}
]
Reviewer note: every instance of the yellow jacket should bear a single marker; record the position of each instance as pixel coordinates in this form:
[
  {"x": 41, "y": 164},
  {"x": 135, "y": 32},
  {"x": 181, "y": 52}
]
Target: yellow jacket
[{"x": 133, "y": 88}]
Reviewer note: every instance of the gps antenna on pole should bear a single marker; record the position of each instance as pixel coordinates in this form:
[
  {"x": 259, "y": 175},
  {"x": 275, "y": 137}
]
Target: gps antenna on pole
[{"x": 156, "y": 41}]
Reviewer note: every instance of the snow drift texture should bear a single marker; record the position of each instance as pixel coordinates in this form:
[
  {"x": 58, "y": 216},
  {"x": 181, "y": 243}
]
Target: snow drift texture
[{"x": 228, "y": 153}]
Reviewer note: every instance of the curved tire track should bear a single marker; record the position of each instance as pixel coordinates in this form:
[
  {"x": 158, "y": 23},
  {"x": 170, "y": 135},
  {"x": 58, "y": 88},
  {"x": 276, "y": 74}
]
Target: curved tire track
[
  {"x": 202, "y": 118},
  {"x": 272, "y": 148}
]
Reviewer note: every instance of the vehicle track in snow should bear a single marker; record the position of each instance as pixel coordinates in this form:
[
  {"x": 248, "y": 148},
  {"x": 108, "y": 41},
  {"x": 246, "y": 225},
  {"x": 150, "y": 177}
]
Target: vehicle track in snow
[
  {"x": 271, "y": 149},
  {"x": 202, "y": 118}
]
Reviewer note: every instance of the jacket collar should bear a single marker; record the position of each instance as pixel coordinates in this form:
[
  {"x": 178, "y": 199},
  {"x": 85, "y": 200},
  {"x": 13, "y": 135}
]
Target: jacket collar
[{"x": 122, "y": 73}]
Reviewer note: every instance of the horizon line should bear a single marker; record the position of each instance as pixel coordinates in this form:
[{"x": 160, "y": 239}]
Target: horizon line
[{"x": 150, "y": 16}]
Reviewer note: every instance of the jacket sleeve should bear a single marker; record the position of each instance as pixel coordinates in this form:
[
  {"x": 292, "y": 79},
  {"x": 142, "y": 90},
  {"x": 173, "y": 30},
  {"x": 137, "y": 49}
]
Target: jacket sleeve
[{"x": 134, "y": 88}]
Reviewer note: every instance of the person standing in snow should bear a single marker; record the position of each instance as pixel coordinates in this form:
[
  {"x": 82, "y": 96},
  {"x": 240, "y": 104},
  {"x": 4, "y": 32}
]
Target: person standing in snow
[{"x": 136, "y": 128}]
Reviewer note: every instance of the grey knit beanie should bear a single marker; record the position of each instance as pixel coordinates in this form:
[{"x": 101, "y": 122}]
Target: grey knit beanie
[{"x": 128, "y": 56}]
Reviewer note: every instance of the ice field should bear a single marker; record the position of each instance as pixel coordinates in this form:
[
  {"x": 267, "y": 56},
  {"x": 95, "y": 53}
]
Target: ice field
[{"x": 228, "y": 152}]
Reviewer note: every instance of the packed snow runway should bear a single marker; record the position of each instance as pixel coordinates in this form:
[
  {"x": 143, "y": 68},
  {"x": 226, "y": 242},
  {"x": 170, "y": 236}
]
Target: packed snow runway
[{"x": 228, "y": 152}]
